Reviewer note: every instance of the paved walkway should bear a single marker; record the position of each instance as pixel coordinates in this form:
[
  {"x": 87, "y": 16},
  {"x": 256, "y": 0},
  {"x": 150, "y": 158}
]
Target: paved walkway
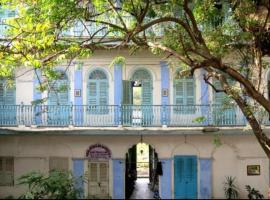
[{"x": 142, "y": 190}]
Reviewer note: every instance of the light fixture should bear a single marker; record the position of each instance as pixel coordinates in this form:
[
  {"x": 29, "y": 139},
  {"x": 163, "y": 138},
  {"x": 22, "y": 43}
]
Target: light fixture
[{"x": 141, "y": 151}]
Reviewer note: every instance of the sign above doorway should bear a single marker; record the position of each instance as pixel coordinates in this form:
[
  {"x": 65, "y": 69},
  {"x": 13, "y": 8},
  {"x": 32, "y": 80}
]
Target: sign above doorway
[{"x": 98, "y": 152}]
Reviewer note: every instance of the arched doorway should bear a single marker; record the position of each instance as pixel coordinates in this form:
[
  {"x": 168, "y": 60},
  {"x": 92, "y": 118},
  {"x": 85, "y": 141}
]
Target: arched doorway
[
  {"x": 142, "y": 171},
  {"x": 98, "y": 171},
  {"x": 138, "y": 99}
]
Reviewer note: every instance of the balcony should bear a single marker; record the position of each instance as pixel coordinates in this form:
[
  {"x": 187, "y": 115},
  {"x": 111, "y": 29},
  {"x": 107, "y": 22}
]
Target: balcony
[{"x": 123, "y": 115}]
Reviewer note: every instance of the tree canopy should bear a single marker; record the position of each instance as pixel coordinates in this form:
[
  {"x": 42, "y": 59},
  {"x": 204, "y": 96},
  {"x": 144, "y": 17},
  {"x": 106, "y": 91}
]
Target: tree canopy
[{"x": 228, "y": 39}]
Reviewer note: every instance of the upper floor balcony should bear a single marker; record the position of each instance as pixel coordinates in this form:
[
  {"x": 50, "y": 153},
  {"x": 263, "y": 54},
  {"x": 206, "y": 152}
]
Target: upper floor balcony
[{"x": 122, "y": 115}]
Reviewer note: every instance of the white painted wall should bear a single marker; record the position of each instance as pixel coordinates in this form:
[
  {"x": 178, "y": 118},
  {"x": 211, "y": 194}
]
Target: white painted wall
[
  {"x": 102, "y": 59},
  {"x": 31, "y": 152}
]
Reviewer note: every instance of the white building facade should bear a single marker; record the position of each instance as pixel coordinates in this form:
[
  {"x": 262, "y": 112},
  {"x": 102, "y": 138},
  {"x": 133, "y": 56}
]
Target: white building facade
[{"x": 99, "y": 111}]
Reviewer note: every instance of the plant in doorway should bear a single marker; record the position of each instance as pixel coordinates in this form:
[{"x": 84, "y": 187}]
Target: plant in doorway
[
  {"x": 253, "y": 193},
  {"x": 230, "y": 188}
]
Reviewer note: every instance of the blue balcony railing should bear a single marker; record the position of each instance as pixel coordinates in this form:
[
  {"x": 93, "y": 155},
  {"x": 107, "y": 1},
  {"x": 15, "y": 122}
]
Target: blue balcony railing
[{"x": 125, "y": 115}]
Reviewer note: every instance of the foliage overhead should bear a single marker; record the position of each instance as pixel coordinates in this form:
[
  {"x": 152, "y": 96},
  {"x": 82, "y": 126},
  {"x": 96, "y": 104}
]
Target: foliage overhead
[{"x": 226, "y": 38}]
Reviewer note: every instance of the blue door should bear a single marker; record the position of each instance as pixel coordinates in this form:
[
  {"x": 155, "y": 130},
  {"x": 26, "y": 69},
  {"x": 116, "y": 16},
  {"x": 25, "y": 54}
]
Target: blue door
[{"x": 185, "y": 177}]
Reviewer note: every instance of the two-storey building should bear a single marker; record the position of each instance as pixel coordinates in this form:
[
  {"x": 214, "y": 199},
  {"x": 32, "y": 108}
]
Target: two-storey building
[{"x": 93, "y": 125}]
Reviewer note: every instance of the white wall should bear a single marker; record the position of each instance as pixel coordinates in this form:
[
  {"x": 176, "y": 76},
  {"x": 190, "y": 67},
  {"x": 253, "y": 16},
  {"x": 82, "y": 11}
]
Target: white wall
[{"x": 31, "y": 152}]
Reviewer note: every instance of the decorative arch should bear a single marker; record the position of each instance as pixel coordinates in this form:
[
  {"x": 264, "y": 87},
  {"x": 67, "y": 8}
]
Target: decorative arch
[
  {"x": 148, "y": 71},
  {"x": 185, "y": 149},
  {"x": 141, "y": 74},
  {"x": 103, "y": 69}
]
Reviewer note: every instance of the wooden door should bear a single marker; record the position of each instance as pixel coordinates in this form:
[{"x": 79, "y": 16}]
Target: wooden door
[
  {"x": 98, "y": 186},
  {"x": 185, "y": 177}
]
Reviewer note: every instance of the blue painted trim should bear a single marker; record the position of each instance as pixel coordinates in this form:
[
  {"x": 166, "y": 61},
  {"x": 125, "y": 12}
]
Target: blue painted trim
[
  {"x": 165, "y": 179},
  {"x": 205, "y": 178},
  {"x": 78, "y": 101},
  {"x": 118, "y": 178},
  {"x": 165, "y": 84},
  {"x": 36, "y": 96},
  {"x": 118, "y": 91},
  {"x": 78, "y": 173},
  {"x": 204, "y": 97}
]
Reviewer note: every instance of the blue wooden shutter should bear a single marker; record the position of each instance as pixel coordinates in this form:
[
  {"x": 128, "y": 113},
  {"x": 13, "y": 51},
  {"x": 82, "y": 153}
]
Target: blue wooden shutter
[
  {"x": 190, "y": 92},
  {"x": 147, "y": 113},
  {"x": 78, "y": 172},
  {"x": 103, "y": 93},
  {"x": 184, "y": 94},
  {"x": 127, "y": 92},
  {"x": 59, "y": 97},
  {"x": 1, "y": 92},
  {"x": 92, "y": 95},
  {"x": 146, "y": 92},
  {"x": 179, "y": 92},
  {"x": 63, "y": 95}
]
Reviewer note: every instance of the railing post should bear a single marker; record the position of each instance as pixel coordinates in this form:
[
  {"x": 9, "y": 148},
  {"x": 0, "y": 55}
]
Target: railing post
[
  {"x": 120, "y": 111},
  {"x": 163, "y": 115},
  {"x": 71, "y": 114},
  {"x": 21, "y": 114},
  {"x": 209, "y": 114}
]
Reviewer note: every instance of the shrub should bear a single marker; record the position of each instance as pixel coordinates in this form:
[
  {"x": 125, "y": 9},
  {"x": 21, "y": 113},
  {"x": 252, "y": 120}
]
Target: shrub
[{"x": 55, "y": 185}]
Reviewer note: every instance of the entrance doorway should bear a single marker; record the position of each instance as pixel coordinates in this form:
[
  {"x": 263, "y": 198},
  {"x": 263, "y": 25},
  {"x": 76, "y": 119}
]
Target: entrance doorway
[
  {"x": 137, "y": 99},
  {"x": 141, "y": 172},
  {"x": 185, "y": 177},
  {"x": 98, "y": 185}
]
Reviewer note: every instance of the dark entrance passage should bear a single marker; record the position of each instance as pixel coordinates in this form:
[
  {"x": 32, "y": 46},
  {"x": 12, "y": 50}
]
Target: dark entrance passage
[{"x": 141, "y": 172}]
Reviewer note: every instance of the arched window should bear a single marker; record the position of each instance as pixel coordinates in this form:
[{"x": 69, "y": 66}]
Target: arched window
[
  {"x": 143, "y": 78},
  {"x": 184, "y": 94},
  {"x": 59, "y": 91},
  {"x": 97, "y": 89},
  {"x": 7, "y": 93}
]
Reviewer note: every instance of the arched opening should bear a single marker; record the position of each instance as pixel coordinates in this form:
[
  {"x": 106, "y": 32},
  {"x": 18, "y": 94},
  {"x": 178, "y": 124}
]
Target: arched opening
[
  {"x": 142, "y": 171},
  {"x": 138, "y": 99}
]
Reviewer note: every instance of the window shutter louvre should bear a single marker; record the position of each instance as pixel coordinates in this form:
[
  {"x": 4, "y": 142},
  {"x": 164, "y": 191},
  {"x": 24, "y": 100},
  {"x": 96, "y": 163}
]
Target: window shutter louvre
[
  {"x": 1, "y": 92},
  {"x": 190, "y": 92},
  {"x": 127, "y": 92},
  {"x": 93, "y": 172},
  {"x": 92, "y": 92},
  {"x": 179, "y": 92},
  {"x": 6, "y": 171},
  {"x": 146, "y": 92},
  {"x": 58, "y": 163},
  {"x": 103, "y": 97},
  {"x": 63, "y": 95},
  {"x": 103, "y": 172},
  {"x": 57, "y": 97}
]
